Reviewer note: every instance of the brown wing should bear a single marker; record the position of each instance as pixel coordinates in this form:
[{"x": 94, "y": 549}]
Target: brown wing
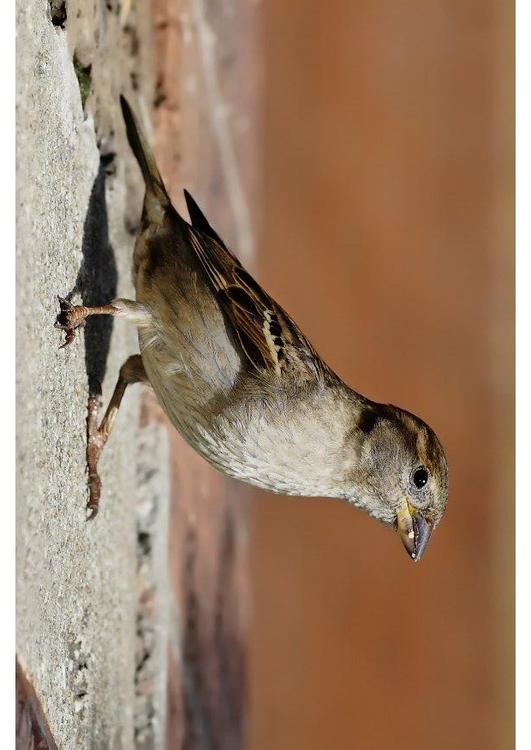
[{"x": 269, "y": 339}]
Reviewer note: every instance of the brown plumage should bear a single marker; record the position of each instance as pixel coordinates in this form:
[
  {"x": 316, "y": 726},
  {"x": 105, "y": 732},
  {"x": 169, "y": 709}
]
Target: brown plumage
[{"x": 245, "y": 387}]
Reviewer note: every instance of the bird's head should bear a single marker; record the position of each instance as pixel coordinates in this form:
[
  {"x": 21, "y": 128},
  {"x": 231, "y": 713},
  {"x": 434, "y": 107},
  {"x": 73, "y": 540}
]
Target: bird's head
[{"x": 402, "y": 475}]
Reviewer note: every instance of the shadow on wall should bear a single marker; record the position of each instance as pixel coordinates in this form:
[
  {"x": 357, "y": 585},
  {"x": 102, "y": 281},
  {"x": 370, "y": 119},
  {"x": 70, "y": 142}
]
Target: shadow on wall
[{"x": 97, "y": 278}]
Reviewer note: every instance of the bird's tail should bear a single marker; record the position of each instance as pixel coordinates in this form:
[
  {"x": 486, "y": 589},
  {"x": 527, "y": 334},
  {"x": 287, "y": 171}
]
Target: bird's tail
[{"x": 156, "y": 194}]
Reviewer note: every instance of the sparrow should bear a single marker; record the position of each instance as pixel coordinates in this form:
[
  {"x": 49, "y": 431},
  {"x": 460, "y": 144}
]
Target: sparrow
[{"x": 244, "y": 386}]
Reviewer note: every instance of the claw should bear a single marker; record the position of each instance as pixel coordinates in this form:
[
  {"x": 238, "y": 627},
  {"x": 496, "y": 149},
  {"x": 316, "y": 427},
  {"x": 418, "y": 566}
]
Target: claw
[
  {"x": 63, "y": 320},
  {"x": 94, "y": 501},
  {"x": 70, "y": 317},
  {"x": 69, "y": 337}
]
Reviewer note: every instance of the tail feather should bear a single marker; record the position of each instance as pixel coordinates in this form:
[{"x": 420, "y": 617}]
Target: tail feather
[
  {"x": 199, "y": 220},
  {"x": 144, "y": 155}
]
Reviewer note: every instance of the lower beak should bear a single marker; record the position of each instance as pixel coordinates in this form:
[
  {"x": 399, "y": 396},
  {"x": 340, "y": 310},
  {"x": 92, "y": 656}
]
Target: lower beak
[{"x": 413, "y": 528}]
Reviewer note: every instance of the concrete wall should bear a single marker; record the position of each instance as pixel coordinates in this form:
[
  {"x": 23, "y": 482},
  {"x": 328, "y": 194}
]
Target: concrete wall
[
  {"x": 131, "y": 627},
  {"x": 90, "y": 594}
]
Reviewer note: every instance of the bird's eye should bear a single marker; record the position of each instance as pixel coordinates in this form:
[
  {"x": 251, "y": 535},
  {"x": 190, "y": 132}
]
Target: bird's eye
[{"x": 420, "y": 477}]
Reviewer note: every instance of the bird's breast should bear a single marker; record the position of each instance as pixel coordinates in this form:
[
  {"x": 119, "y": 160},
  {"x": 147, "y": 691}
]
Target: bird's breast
[{"x": 289, "y": 449}]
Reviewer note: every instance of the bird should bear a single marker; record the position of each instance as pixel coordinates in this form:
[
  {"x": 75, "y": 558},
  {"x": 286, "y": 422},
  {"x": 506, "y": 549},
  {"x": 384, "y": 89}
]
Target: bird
[{"x": 244, "y": 386}]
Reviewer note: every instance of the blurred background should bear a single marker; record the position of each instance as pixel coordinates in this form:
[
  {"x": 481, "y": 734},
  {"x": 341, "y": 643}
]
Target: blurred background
[
  {"x": 359, "y": 157},
  {"x": 388, "y": 235}
]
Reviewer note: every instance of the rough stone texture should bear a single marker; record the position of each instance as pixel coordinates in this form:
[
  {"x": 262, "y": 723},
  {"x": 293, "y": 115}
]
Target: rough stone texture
[{"x": 80, "y": 622}]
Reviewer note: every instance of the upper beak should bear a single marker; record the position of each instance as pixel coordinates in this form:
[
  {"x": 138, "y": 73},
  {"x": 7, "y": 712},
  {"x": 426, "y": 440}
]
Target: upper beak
[{"x": 413, "y": 528}]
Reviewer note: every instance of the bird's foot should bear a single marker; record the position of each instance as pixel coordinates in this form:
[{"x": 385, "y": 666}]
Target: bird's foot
[
  {"x": 70, "y": 317},
  {"x": 95, "y": 443}
]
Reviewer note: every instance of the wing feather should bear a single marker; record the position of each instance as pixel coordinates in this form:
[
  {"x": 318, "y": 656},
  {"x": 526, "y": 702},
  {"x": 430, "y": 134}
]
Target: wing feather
[{"x": 269, "y": 339}]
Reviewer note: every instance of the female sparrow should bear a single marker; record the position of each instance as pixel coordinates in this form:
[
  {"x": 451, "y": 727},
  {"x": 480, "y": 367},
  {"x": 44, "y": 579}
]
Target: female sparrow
[{"x": 245, "y": 387}]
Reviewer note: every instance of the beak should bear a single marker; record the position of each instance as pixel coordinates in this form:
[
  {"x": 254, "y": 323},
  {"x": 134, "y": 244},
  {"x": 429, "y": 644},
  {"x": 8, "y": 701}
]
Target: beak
[{"x": 413, "y": 528}]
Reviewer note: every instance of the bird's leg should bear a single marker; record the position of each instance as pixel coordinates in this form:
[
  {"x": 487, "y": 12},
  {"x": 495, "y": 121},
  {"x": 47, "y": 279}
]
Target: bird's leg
[
  {"x": 74, "y": 316},
  {"x": 132, "y": 371}
]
